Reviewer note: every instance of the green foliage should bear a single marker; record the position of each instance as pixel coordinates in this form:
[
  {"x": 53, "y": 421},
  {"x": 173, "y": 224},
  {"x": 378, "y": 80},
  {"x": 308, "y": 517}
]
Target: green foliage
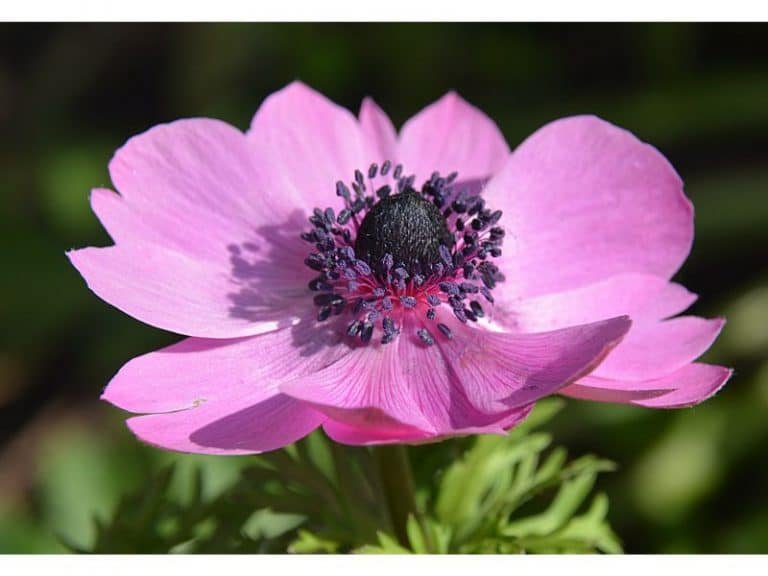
[
  {"x": 311, "y": 497},
  {"x": 508, "y": 494},
  {"x": 497, "y": 497}
]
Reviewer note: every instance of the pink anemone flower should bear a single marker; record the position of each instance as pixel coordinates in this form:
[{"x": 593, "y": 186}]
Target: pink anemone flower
[{"x": 392, "y": 287}]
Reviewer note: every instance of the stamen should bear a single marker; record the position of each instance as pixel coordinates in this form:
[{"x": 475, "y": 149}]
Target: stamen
[
  {"x": 425, "y": 336},
  {"x": 408, "y": 301},
  {"x": 384, "y": 255},
  {"x": 366, "y": 332},
  {"x": 354, "y": 328},
  {"x": 477, "y": 308},
  {"x": 342, "y": 190},
  {"x": 324, "y": 314}
]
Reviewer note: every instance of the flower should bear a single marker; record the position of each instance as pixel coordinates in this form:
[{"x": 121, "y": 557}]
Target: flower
[{"x": 392, "y": 288}]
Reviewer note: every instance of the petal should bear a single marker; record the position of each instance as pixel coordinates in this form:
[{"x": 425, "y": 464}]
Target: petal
[
  {"x": 509, "y": 370},
  {"x": 362, "y": 435},
  {"x": 476, "y": 380},
  {"x": 654, "y": 350},
  {"x": 643, "y": 297},
  {"x": 584, "y": 200},
  {"x": 197, "y": 251},
  {"x": 190, "y": 186},
  {"x": 452, "y": 135},
  {"x": 698, "y": 383},
  {"x": 221, "y": 396},
  {"x": 183, "y": 294},
  {"x": 365, "y": 387},
  {"x": 437, "y": 387},
  {"x": 378, "y": 131},
  {"x": 198, "y": 370},
  {"x": 235, "y": 426},
  {"x": 304, "y": 143},
  {"x": 686, "y": 386}
]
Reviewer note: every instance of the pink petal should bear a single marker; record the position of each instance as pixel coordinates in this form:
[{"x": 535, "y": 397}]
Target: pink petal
[
  {"x": 653, "y": 350},
  {"x": 191, "y": 186},
  {"x": 509, "y": 370},
  {"x": 380, "y": 135},
  {"x": 362, "y": 435},
  {"x": 437, "y": 387},
  {"x": 304, "y": 143},
  {"x": 700, "y": 382},
  {"x": 235, "y": 426},
  {"x": 686, "y": 386},
  {"x": 365, "y": 387},
  {"x": 452, "y": 135},
  {"x": 197, "y": 253},
  {"x": 643, "y": 297},
  {"x": 198, "y": 370},
  {"x": 584, "y": 200},
  {"x": 187, "y": 295},
  {"x": 477, "y": 380},
  {"x": 221, "y": 396}
]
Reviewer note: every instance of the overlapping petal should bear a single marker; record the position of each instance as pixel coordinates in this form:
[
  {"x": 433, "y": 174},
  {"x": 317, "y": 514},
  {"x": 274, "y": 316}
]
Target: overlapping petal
[
  {"x": 657, "y": 349},
  {"x": 222, "y": 396},
  {"x": 247, "y": 424},
  {"x": 645, "y": 298},
  {"x": 361, "y": 434},
  {"x": 475, "y": 380},
  {"x": 196, "y": 251},
  {"x": 653, "y": 359},
  {"x": 597, "y": 223},
  {"x": 304, "y": 144},
  {"x": 583, "y": 201},
  {"x": 379, "y": 134},
  {"x": 192, "y": 186},
  {"x": 686, "y": 386},
  {"x": 452, "y": 135}
]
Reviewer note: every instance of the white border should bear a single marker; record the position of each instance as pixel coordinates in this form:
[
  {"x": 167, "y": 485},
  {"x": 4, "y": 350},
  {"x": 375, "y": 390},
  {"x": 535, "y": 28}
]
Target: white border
[
  {"x": 386, "y": 565},
  {"x": 384, "y": 10}
]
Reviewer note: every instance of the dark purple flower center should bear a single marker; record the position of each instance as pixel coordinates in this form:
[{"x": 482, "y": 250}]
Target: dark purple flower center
[
  {"x": 394, "y": 250},
  {"x": 405, "y": 225}
]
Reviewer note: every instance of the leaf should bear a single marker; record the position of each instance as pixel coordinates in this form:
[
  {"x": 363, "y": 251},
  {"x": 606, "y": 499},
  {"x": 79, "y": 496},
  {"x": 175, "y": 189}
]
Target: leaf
[
  {"x": 428, "y": 536},
  {"x": 474, "y": 484},
  {"x": 592, "y": 528},
  {"x": 387, "y": 545},
  {"x": 309, "y": 543},
  {"x": 582, "y": 534},
  {"x": 481, "y": 494},
  {"x": 416, "y": 536},
  {"x": 569, "y": 497}
]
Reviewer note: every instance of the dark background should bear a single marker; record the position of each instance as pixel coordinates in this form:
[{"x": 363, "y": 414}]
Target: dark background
[{"x": 689, "y": 481}]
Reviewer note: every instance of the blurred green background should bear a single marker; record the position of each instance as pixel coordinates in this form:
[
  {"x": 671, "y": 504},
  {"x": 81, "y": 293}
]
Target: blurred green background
[{"x": 688, "y": 481}]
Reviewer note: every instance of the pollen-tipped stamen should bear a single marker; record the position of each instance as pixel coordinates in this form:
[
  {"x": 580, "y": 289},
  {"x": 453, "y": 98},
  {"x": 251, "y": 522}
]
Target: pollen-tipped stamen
[{"x": 384, "y": 255}]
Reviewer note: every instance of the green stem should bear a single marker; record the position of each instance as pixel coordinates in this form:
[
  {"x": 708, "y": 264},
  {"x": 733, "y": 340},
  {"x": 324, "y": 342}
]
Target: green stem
[{"x": 397, "y": 482}]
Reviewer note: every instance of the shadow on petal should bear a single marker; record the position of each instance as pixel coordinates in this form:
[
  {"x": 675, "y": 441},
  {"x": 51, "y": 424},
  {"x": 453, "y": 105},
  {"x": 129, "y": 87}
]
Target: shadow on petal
[
  {"x": 268, "y": 425},
  {"x": 269, "y": 274}
]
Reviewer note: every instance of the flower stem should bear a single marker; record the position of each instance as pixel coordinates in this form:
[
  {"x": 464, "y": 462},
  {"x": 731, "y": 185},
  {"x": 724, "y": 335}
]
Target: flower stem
[{"x": 397, "y": 482}]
